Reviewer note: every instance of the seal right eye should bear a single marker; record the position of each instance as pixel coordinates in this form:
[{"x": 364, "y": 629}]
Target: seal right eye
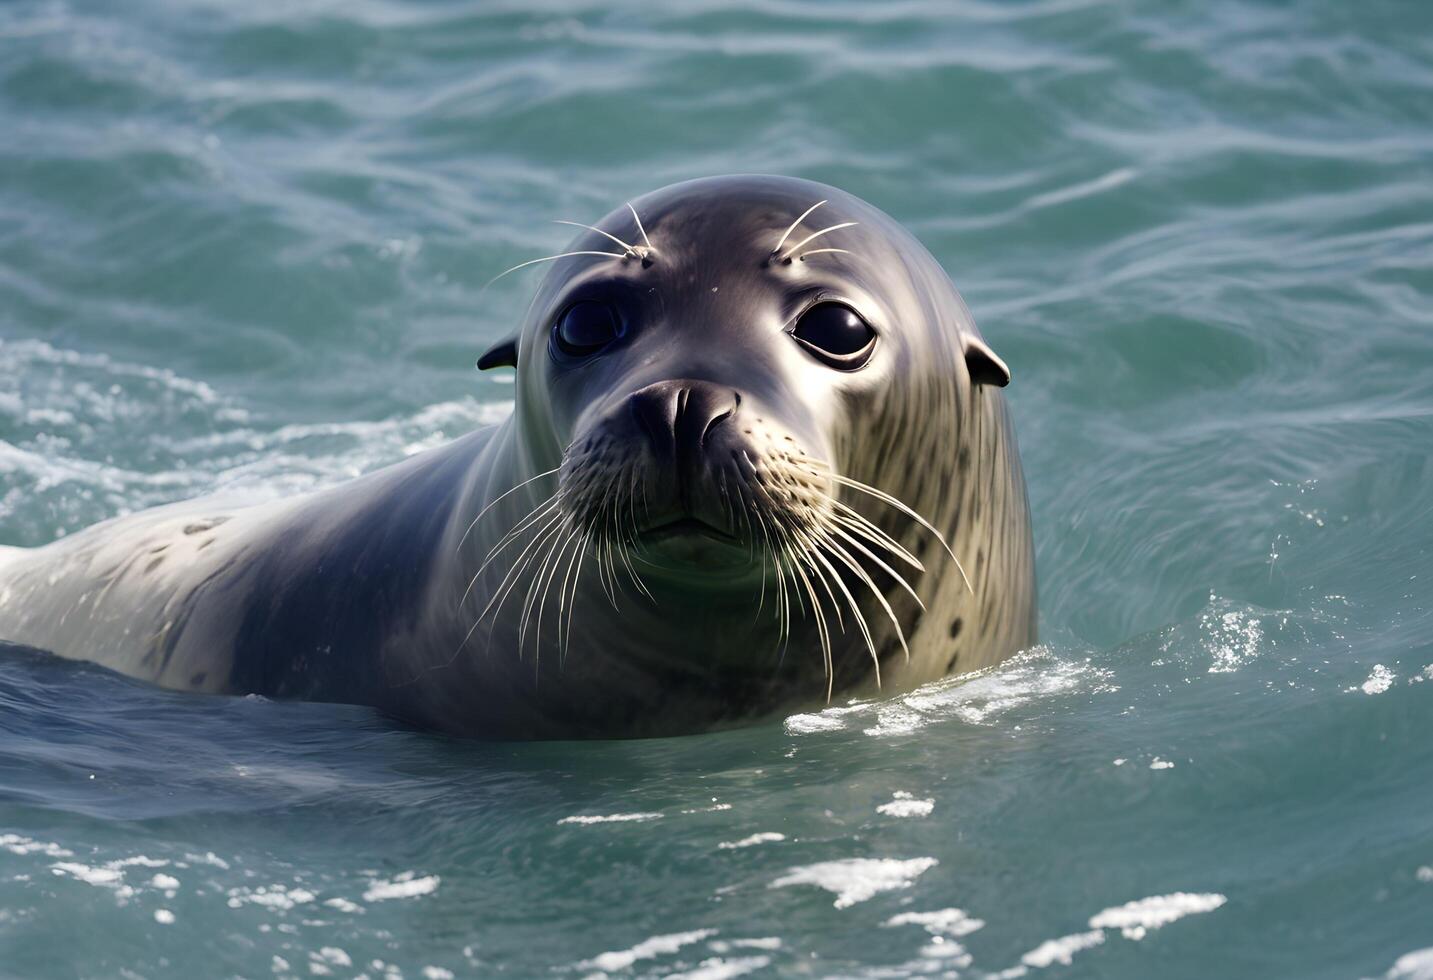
[{"x": 585, "y": 328}]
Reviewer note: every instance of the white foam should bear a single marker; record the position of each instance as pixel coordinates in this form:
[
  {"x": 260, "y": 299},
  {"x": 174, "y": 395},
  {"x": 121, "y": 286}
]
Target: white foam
[
  {"x": 99, "y": 877},
  {"x": 91, "y": 394},
  {"x": 403, "y": 886},
  {"x": 1233, "y": 638},
  {"x": 767, "y": 837},
  {"x": 1062, "y": 950},
  {"x": 1417, "y": 965},
  {"x": 343, "y": 905},
  {"x": 857, "y": 879},
  {"x": 334, "y": 955},
  {"x": 611, "y": 818},
  {"x": 829, "y": 720},
  {"x": 645, "y": 950},
  {"x": 1379, "y": 680},
  {"x": 16, "y": 844},
  {"x": 761, "y": 942},
  {"x": 164, "y": 917},
  {"x": 270, "y": 896},
  {"x": 436, "y": 973},
  {"x": 1159, "y": 763},
  {"x": 980, "y": 698},
  {"x": 1134, "y": 919},
  {"x": 166, "y": 882},
  {"x": 905, "y": 805},
  {"x": 721, "y": 969},
  {"x": 139, "y": 860},
  {"x": 941, "y": 922},
  {"x": 209, "y": 858}
]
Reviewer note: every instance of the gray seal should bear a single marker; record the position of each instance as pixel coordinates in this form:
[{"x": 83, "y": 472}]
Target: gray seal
[{"x": 759, "y": 459}]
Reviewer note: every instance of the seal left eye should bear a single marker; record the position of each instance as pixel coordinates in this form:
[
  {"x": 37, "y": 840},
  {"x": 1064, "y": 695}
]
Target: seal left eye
[
  {"x": 585, "y": 328},
  {"x": 836, "y": 334}
]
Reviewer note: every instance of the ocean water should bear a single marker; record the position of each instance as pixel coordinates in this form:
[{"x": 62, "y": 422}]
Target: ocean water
[{"x": 242, "y": 246}]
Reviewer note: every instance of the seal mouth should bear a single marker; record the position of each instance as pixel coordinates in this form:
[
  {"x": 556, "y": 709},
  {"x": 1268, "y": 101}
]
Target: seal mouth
[
  {"x": 687, "y": 527},
  {"x": 689, "y": 544}
]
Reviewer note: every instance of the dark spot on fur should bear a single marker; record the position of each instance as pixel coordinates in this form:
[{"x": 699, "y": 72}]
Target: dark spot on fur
[
  {"x": 204, "y": 544},
  {"x": 963, "y": 459},
  {"x": 198, "y": 678},
  {"x": 955, "y": 625},
  {"x": 154, "y": 564},
  {"x": 206, "y": 524},
  {"x": 954, "y": 659}
]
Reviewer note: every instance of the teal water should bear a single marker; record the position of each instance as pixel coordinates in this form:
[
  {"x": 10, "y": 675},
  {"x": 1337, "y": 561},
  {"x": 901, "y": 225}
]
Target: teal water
[{"x": 242, "y": 246}]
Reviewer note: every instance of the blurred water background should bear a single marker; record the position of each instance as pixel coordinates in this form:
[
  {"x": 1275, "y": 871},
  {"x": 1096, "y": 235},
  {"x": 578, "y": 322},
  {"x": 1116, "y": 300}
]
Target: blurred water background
[{"x": 241, "y": 246}]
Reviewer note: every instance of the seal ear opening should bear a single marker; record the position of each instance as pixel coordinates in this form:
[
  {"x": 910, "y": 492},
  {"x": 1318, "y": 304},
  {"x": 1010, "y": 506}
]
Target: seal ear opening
[
  {"x": 501, "y": 354},
  {"x": 984, "y": 365}
]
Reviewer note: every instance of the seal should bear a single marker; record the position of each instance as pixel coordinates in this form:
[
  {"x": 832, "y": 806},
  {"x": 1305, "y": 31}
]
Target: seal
[{"x": 759, "y": 458}]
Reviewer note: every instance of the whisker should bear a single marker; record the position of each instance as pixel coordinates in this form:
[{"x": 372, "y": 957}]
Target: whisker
[
  {"x": 870, "y": 583},
  {"x": 574, "y": 537},
  {"x": 858, "y": 522},
  {"x": 513, "y": 573},
  {"x": 814, "y": 235},
  {"x": 822, "y": 630},
  {"x": 855, "y": 611},
  {"x": 549, "y": 258},
  {"x": 500, "y": 497},
  {"x": 536, "y": 515},
  {"x": 520, "y": 565},
  {"x": 905, "y": 509},
  {"x": 569, "y": 599},
  {"x": 533, "y": 517},
  {"x": 638, "y": 219},
  {"x": 899, "y": 579},
  {"x": 787, "y": 233},
  {"x": 606, "y": 234},
  {"x": 817, "y": 251},
  {"x": 809, "y": 544},
  {"x": 622, "y": 545}
]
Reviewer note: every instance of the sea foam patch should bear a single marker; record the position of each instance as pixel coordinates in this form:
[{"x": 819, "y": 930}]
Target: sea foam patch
[
  {"x": 979, "y": 698},
  {"x": 1135, "y": 919},
  {"x": 857, "y": 879}
]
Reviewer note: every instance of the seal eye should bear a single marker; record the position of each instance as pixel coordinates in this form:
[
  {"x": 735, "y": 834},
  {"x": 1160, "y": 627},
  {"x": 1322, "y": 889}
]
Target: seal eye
[
  {"x": 836, "y": 334},
  {"x": 585, "y": 328}
]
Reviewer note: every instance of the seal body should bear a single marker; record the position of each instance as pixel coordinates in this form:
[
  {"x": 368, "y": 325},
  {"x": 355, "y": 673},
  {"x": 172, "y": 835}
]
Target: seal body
[{"x": 759, "y": 458}]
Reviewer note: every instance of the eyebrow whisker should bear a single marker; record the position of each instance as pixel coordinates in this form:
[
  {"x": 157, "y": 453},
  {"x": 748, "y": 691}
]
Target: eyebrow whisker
[
  {"x": 605, "y": 234},
  {"x": 639, "y": 227},
  {"x": 549, "y": 258},
  {"x": 787, "y": 234},
  {"x": 797, "y": 247},
  {"x": 818, "y": 251}
]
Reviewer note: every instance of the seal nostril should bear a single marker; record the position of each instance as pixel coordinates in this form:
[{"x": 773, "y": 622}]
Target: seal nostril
[{"x": 719, "y": 407}]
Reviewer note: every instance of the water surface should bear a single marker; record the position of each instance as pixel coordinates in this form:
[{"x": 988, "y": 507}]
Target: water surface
[{"x": 242, "y": 247}]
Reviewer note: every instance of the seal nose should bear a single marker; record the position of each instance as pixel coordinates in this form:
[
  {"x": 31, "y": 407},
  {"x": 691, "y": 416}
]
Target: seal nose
[{"x": 678, "y": 416}]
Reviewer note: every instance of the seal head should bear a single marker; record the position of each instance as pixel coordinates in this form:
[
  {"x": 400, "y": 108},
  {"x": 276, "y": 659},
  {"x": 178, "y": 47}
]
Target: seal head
[{"x": 748, "y": 386}]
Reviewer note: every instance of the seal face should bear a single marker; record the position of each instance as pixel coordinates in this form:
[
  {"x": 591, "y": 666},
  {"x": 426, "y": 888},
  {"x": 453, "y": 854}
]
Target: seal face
[{"x": 758, "y": 457}]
